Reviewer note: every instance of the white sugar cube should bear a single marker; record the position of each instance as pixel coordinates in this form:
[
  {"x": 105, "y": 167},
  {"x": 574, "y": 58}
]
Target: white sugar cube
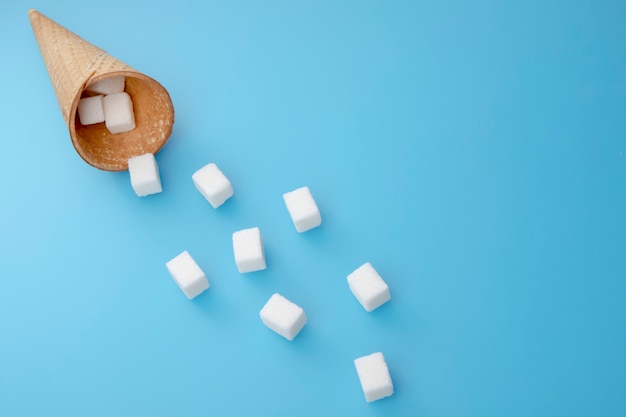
[
  {"x": 108, "y": 85},
  {"x": 374, "y": 376},
  {"x": 248, "y": 249},
  {"x": 368, "y": 287},
  {"x": 118, "y": 113},
  {"x": 283, "y": 316},
  {"x": 90, "y": 110},
  {"x": 302, "y": 209},
  {"x": 187, "y": 274},
  {"x": 144, "y": 175},
  {"x": 213, "y": 184}
]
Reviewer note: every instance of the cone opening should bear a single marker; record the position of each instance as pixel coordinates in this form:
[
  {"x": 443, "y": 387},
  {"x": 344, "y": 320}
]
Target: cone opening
[{"x": 154, "y": 118}]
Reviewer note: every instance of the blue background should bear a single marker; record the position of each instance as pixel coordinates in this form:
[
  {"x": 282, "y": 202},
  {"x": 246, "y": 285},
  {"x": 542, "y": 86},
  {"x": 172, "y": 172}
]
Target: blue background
[{"x": 474, "y": 152}]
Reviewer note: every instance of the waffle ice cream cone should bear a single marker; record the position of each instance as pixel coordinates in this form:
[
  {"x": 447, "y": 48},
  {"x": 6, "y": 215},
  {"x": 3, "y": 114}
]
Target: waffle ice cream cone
[{"x": 73, "y": 64}]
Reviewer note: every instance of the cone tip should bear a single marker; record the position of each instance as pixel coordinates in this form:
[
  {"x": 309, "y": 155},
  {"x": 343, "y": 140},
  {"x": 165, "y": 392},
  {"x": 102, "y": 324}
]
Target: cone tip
[{"x": 32, "y": 13}]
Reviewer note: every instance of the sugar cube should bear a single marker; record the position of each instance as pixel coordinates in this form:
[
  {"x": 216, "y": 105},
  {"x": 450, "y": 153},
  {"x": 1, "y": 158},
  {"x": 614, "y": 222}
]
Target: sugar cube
[
  {"x": 248, "y": 249},
  {"x": 108, "y": 85},
  {"x": 212, "y": 184},
  {"x": 374, "y": 376},
  {"x": 144, "y": 175},
  {"x": 283, "y": 316},
  {"x": 91, "y": 110},
  {"x": 118, "y": 113},
  {"x": 368, "y": 287},
  {"x": 302, "y": 209},
  {"x": 187, "y": 274}
]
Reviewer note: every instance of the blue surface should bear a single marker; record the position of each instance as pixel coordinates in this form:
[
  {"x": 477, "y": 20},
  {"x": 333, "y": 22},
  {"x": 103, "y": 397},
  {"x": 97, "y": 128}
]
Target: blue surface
[{"x": 475, "y": 153}]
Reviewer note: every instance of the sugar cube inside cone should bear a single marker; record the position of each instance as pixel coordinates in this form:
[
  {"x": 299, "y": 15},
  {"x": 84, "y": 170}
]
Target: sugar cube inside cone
[
  {"x": 108, "y": 85},
  {"x": 91, "y": 110},
  {"x": 283, "y": 316},
  {"x": 144, "y": 175},
  {"x": 374, "y": 376},
  {"x": 118, "y": 112}
]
